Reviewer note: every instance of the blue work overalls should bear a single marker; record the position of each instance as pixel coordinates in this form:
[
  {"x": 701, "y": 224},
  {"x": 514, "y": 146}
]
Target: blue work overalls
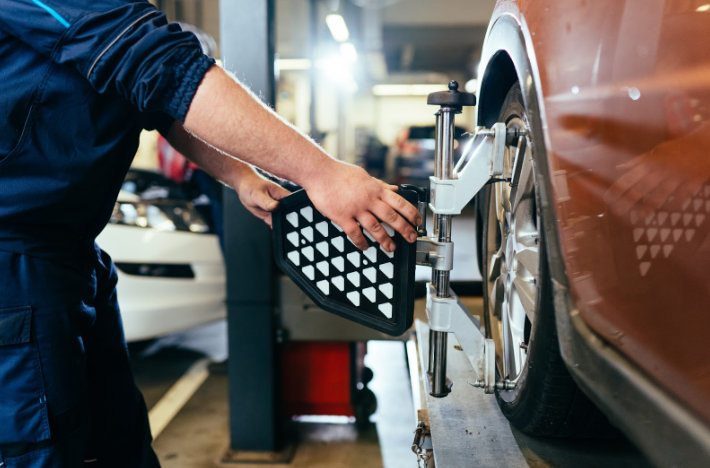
[{"x": 79, "y": 79}]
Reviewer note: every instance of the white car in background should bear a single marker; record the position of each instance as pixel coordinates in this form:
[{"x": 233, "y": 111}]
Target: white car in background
[{"x": 170, "y": 265}]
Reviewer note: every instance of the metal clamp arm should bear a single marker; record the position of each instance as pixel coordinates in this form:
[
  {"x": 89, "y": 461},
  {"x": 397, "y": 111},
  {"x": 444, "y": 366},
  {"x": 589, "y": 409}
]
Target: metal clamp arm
[
  {"x": 435, "y": 254},
  {"x": 473, "y": 171},
  {"x": 448, "y": 314}
]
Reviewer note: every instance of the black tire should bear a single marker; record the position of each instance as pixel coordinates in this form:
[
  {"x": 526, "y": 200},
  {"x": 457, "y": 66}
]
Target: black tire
[{"x": 546, "y": 400}]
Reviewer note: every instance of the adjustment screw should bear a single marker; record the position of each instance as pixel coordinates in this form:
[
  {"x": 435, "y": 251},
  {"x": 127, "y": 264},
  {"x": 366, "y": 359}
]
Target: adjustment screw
[{"x": 453, "y": 86}]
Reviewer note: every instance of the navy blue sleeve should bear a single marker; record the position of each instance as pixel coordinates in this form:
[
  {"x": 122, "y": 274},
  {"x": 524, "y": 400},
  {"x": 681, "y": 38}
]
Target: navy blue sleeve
[{"x": 123, "y": 46}]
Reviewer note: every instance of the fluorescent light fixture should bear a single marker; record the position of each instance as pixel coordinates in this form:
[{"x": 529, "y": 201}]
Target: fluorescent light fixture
[
  {"x": 337, "y": 70},
  {"x": 703, "y": 8},
  {"x": 293, "y": 64},
  {"x": 406, "y": 89},
  {"x": 337, "y": 27},
  {"x": 348, "y": 52},
  {"x": 471, "y": 86}
]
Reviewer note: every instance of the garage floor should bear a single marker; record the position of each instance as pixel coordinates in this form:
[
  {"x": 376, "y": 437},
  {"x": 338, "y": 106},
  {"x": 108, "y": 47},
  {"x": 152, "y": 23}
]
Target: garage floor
[{"x": 198, "y": 436}]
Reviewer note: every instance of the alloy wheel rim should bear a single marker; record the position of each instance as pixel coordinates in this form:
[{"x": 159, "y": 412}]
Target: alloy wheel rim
[{"x": 514, "y": 263}]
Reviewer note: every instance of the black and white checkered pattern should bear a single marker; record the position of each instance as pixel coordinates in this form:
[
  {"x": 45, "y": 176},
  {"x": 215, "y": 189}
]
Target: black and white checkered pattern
[
  {"x": 325, "y": 256},
  {"x": 373, "y": 287}
]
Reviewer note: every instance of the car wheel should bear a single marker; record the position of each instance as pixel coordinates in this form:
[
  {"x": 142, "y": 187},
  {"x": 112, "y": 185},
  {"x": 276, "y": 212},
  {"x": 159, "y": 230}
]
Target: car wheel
[{"x": 518, "y": 302}]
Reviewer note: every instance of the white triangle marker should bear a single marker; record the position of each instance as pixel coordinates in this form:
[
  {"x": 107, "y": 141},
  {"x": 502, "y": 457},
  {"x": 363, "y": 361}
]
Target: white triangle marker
[
  {"x": 387, "y": 269},
  {"x": 338, "y": 243},
  {"x": 371, "y": 253},
  {"x": 386, "y": 289},
  {"x": 338, "y": 263},
  {"x": 354, "y": 297},
  {"x": 370, "y": 293},
  {"x": 323, "y": 248},
  {"x": 307, "y": 213},
  {"x": 292, "y": 218},
  {"x": 371, "y": 274},
  {"x": 324, "y": 286},
  {"x": 339, "y": 282},
  {"x": 322, "y": 227},
  {"x": 324, "y": 268},
  {"x": 386, "y": 309},
  {"x": 354, "y": 258},
  {"x": 354, "y": 278},
  {"x": 292, "y": 238},
  {"x": 294, "y": 257}
]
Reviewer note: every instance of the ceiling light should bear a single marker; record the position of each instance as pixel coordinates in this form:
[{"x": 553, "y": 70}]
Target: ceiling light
[
  {"x": 337, "y": 27},
  {"x": 293, "y": 64},
  {"x": 703, "y": 8},
  {"x": 471, "y": 86},
  {"x": 406, "y": 89},
  {"x": 348, "y": 52}
]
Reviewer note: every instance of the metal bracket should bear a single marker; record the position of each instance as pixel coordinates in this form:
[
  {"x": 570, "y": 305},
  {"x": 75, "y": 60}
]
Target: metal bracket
[
  {"x": 448, "y": 314},
  {"x": 483, "y": 161},
  {"x": 435, "y": 254}
]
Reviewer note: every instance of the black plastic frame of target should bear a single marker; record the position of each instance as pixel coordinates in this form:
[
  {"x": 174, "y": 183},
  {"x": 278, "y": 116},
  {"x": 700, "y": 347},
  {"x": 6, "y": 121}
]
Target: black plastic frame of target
[{"x": 373, "y": 288}]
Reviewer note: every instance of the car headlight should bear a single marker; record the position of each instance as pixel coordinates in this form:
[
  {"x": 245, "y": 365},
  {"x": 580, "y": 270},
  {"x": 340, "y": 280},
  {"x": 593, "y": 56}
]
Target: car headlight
[{"x": 159, "y": 215}]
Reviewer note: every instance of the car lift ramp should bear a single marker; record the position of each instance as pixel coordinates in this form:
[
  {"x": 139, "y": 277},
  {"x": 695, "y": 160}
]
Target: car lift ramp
[{"x": 468, "y": 429}]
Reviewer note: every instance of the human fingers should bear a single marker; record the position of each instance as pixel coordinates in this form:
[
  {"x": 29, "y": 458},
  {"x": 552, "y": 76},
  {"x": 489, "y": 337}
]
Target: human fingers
[
  {"x": 376, "y": 230},
  {"x": 260, "y": 197},
  {"x": 393, "y": 188},
  {"x": 353, "y": 231},
  {"x": 402, "y": 207},
  {"x": 277, "y": 192},
  {"x": 624, "y": 184},
  {"x": 628, "y": 165},
  {"x": 391, "y": 217},
  {"x": 656, "y": 198},
  {"x": 638, "y": 191}
]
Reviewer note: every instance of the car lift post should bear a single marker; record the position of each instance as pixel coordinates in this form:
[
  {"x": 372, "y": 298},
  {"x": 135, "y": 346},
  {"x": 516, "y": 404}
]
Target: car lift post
[{"x": 247, "y": 46}]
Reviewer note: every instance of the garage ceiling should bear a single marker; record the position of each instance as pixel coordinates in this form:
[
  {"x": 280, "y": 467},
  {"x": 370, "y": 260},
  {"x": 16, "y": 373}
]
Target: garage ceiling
[
  {"x": 443, "y": 36},
  {"x": 414, "y": 36}
]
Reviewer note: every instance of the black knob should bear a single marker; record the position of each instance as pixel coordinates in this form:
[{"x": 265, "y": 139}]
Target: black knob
[{"x": 452, "y": 97}]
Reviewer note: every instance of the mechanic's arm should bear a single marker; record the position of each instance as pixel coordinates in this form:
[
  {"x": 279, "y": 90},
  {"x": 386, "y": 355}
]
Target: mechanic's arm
[
  {"x": 226, "y": 115},
  {"x": 257, "y": 194},
  {"x": 129, "y": 48}
]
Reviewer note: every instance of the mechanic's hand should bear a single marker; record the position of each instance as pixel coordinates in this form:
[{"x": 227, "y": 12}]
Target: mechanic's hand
[
  {"x": 671, "y": 172},
  {"x": 258, "y": 195},
  {"x": 348, "y": 195}
]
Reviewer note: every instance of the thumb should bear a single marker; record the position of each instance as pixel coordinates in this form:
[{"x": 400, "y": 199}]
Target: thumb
[
  {"x": 264, "y": 200},
  {"x": 277, "y": 192}
]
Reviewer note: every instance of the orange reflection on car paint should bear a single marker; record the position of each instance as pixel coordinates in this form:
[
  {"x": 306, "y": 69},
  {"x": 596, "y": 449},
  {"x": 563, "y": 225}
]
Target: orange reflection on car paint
[{"x": 626, "y": 92}]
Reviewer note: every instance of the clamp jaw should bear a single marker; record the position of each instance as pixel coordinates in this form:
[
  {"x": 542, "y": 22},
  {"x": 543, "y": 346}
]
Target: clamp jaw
[{"x": 483, "y": 162}]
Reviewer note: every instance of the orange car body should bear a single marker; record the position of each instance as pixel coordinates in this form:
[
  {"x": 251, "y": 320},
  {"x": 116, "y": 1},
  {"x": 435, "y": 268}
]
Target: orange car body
[{"x": 623, "y": 93}]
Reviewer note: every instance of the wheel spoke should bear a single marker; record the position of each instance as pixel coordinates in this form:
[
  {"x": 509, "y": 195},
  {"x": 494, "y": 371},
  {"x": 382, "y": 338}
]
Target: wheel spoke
[
  {"x": 524, "y": 187},
  {"x": 495, "y": 263},
  {"x": 528, "y": 258},
  {"x": 525, "y": 292},
  {"x": 496, "y": 297}
]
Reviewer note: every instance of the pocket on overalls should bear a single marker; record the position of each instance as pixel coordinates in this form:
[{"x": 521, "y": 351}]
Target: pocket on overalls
[{"x": 23, "y": 402}]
